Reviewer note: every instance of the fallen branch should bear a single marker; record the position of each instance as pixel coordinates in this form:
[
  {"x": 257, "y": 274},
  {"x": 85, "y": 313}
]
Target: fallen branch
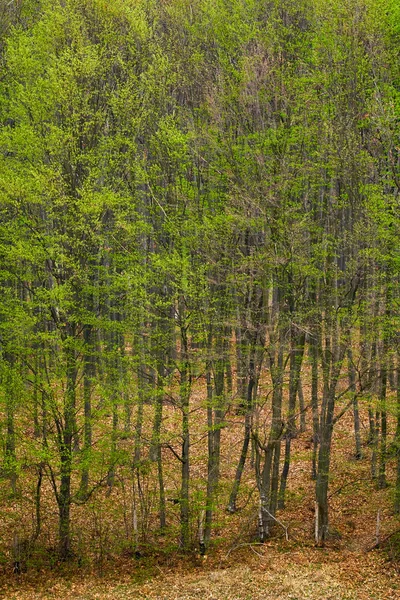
[
  {"x": 250, "y": 544},
  {"x": 345, "y": 485},
  {"x": 277, "y": 521},
  {"x": 382, "y": 541}
]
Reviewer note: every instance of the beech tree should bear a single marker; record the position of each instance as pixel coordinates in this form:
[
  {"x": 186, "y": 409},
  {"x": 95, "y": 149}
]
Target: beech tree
[{"x": 198, "y": 236}]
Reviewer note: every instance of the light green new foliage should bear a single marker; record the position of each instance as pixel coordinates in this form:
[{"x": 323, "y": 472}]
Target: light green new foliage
[
  {"x": 60, "y": 150},
  {"x": 183, "y": 185}
]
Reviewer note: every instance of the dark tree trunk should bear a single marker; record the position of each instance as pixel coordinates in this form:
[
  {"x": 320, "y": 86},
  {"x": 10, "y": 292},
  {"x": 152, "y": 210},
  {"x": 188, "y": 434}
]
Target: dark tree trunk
[
  {"x": 382, "y": 483},
  {"x": 303, "y": 424},
  {"x": 215, "y": 416},
  {"x": 397, "y": 442},
  {"x": 268, "y": 478},
  {"x": 356, "y": 415},
  {"x": 66, "y": 448},
  {"x": 296, "y": 359},
  {"x": 185, "y": 389},
  {"x": 88, "y": 376},
  {"x": 314, "y": 402},
  {"x": 246, "y": 441}
]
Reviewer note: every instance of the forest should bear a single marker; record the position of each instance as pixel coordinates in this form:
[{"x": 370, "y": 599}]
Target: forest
[{"x": 199, "y": 272}]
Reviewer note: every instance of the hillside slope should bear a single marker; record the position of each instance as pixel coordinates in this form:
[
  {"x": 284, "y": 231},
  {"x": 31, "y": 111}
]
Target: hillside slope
[{"x": 295, "y": 574}]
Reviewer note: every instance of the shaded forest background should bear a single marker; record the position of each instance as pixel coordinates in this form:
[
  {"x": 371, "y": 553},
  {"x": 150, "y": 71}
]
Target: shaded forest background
[{"x": 199, "y": 256}]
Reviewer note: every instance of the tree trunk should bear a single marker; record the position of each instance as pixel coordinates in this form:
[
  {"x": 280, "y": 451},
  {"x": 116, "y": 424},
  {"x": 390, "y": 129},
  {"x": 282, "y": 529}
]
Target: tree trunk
[
  {"x": 268, "y": 479},
  {"x": 397, "y": 442},
  {"x": 356, "y": 415},
  {"x": 11, "y": 387},
  {"x": 326, "y": 431},
  {"x": 185, "y": 389},
  {"x": 246, "y": 441},
  {"x": 303, "y": 425},
  {"x": 214, "y": 414},
  {"x": 296, "y": 359},
  {"x": 382, "y": 483},
  {"x": 66, "y": 443},
  {"x": 88, "y": 375}
]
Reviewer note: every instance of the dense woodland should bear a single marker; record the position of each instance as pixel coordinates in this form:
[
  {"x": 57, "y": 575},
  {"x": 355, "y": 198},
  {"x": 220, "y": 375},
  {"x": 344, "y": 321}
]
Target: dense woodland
[{"x": 199, "y": 234}]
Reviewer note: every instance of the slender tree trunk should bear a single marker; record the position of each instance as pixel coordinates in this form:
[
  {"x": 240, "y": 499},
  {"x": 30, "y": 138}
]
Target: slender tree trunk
[
  {"x": 185, "y": 390},
  {"x": 241, "y": 364},
  {"x": 303, "y": 425},
  {"x": 254, "y": 342},
  {"x": 246, "y": 440},
  {"x": 139, "y": 421},
  {"x": 356, "y": 414},
  {"x": 161, "y": 487},
  {"x": 142, "y": 392},
  {"x": 36, "y": 392},
  {"x": 382, "y": 483},
  {"x": 210, "y": 460},
  {"x": 374, "y": 420},
  {"x": 268, "y": 478},
  {"x": 10, "y": 453},
  {"x": 397, "y": 442},
  {"x": 66, "y": 447},
  {"x": 88, "y": 375},
  {"x": 314, "y": 402},
  {"x": 326, "y": 431},
  {"x": 322, "y": 521},
  {"x": 38, "y": 514},
  {"x": 158, "y": 410},
  {"x": 155, "y": 448},
  {"x": 215, "y": 421},
  {"x": 296, "y": 359}
]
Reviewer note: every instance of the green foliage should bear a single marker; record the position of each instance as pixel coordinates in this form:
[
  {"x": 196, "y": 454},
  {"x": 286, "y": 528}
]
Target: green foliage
[{"x": 172, "y": 169}]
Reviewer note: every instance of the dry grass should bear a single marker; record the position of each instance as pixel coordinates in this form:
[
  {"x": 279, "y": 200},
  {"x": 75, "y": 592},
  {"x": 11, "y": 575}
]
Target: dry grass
[{"x": 297, "y": 574}]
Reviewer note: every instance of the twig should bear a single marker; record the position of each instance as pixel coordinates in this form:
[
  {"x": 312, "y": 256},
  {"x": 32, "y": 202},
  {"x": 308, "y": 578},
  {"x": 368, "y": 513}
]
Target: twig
[
  {"x": 383, "y": 540},
  {"x": 255, "y": 551},
  {"x": 251, "y": 544},
  {"x": 277, "y": 521},
  {"x": 347, "y": 485},
  {"x": 173, "y": 452}
]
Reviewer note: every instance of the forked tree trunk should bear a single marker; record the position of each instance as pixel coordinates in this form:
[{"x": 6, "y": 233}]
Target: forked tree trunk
[
  {"x": 268, "y": 476},
  {"x": 247, "y": 432},
  {"x": 326, "y": 430}
]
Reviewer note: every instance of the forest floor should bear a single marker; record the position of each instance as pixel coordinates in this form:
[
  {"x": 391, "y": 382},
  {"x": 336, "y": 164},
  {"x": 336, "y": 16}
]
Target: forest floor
[
  {"x": 287, "y": 567},
  {"x": 250, "y": 573},
  {"x": 237, "y": 568}
]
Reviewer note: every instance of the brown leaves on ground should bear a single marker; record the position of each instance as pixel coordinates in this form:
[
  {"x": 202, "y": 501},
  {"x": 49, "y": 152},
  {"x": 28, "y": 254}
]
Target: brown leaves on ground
[
  {"x": 271, "y": 574},
  {"x": 236, "y": 569}
]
